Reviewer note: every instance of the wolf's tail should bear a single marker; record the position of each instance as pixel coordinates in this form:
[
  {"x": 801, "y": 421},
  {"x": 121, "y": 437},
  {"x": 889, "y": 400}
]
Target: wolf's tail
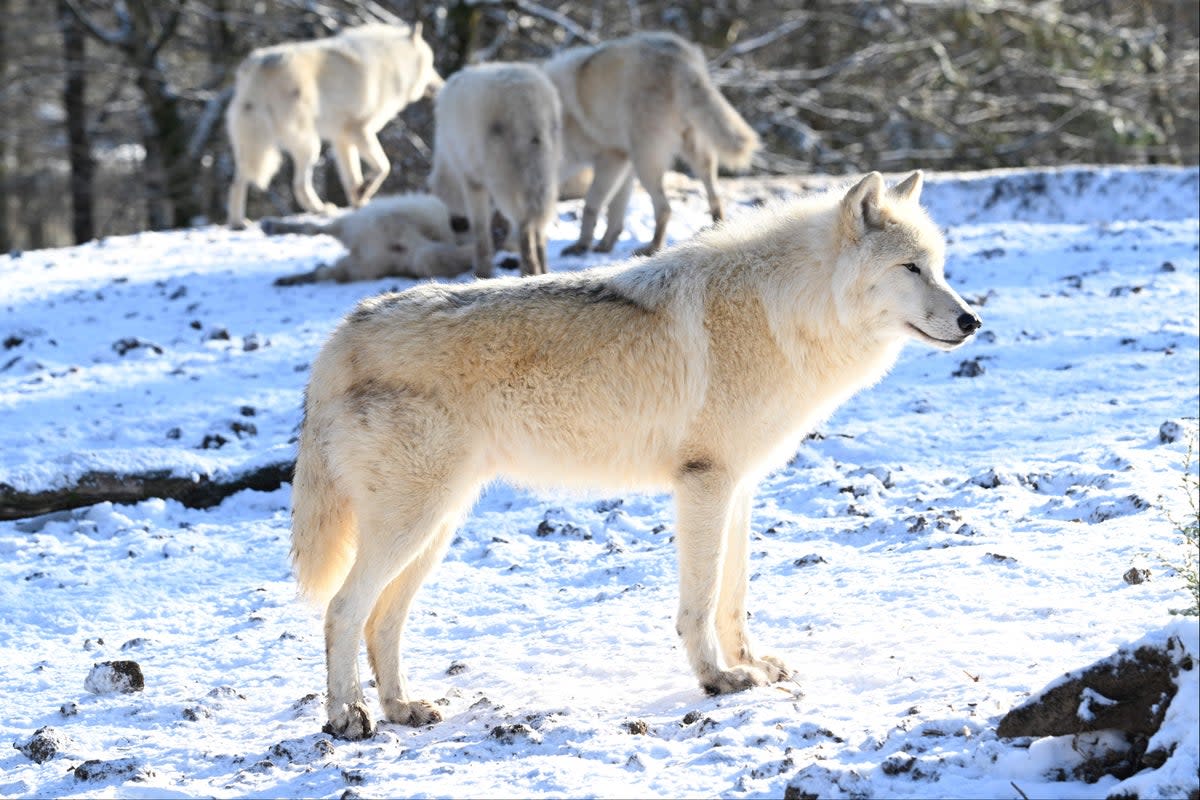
[
  {"x": 274, "y": 226},
  {"x": 324, "y": 538},
  {"x": 719, "y": 122}
]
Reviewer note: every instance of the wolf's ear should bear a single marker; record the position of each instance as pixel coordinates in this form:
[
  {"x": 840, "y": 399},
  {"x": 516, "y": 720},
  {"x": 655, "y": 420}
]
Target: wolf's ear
[
  {"x": 416, "y": 30},
  {"x": 909, "y": 188},
  {"x": 862, "y": 207}
]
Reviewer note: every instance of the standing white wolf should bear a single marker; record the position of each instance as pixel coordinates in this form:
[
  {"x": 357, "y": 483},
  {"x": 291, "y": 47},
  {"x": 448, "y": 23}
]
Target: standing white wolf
[
  {"x": 643, "y": 100},
  {"x": 496, "y": 144},
  {"x": 342, "y": 89},
  {"x": 407, "y": 236},
  {"x": 698, "y": 370}
]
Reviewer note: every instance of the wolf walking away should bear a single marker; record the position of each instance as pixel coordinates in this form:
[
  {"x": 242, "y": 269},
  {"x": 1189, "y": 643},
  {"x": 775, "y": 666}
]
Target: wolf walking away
[
  {"x": 343, "y": 90},
  {"x": 496, "y": 145},
  {"x": 404, "y": 236},
  {"x": 638, "y": 102},
  {"x": 697, "y": 370}
]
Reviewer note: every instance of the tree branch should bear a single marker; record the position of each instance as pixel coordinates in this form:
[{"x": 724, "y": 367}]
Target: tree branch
[
  {"x": 120, "y": 38},
  {"x": 561, "y": 20}
]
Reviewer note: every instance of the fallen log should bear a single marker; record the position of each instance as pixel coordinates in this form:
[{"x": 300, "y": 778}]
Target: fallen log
[{"x": 99, "y": 487}]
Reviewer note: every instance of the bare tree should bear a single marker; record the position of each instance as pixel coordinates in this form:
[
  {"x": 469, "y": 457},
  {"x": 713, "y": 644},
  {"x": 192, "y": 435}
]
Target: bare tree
[
  {"x": 79, "y": 149},
  {"x": 6, "y": 227},
  {"x": 142, "y": 28}
]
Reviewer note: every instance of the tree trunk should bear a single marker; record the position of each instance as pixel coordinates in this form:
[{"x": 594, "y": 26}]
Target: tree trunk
[
  {"x": 6, "y": 180},
  {"x": 79, "y": 149}
]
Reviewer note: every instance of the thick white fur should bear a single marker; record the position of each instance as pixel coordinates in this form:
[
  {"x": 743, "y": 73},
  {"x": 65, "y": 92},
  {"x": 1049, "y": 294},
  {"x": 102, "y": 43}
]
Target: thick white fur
[
  {"x": 342, "y": 89},
  {"x": 638, "y": 102},
  {"x": 496, "y": 144},
  {"x": 404, "y": 235},
  {"x": 697, "y": 370}
]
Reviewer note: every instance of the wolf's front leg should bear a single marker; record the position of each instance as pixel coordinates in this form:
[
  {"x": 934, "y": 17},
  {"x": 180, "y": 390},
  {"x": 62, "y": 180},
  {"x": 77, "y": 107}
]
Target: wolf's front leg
[
  {"x": 732, "y": 630},
  {"x": 704, "y": 494}
]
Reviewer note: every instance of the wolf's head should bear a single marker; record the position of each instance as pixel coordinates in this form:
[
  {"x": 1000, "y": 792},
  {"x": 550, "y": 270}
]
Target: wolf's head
[{"x": 889, "y": 279}]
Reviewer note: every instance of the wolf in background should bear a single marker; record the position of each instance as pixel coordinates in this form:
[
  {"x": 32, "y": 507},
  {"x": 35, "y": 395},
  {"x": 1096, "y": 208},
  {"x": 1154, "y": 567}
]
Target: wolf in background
[
  {"x": 496, "y": 144},
  {"x": 342, "y": 89},
  {"x": 629, "y": 107},
  {"x": 697, "y": 370},
  {"x": 405, "y": 236}
]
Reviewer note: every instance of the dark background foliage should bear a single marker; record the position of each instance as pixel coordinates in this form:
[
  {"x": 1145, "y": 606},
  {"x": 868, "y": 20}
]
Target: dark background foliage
[{"x": 111, "y": 112}]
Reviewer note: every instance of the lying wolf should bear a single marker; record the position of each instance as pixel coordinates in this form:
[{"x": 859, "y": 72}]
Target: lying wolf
[
  {"x": 406, "y": 236},
  {"x": 699, "y": 370},
  {"x": 643, "y": 100},
  {"x": 496, "y": 144},
  {"x": 342, "y": 89}
]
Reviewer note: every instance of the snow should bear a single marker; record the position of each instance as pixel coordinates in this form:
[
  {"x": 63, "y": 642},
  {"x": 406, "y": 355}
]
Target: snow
[{"x": 953, "y": 540}]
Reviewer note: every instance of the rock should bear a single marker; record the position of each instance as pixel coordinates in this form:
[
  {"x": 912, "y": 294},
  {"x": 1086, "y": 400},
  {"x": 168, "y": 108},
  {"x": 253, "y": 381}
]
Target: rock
[
  {"x": 1122, "y": 699},
  {"x": 43, "y": 745},
  {"x": 1170, "y": 431},
  {"x": 1126, "y": 691},
  {"x": 126, "y": 769},
  {"x": 1136, "y": 575},
  {"x": 113, "y": 677}
]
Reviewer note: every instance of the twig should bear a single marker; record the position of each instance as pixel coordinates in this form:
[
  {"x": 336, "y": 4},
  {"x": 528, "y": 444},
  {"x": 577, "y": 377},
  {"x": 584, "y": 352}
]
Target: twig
[
  {"x": 561, "y": 20},
  {"x": 207, "y": 122},
  {"x": 758, "y": 42},
  {"x": 1018, "y": 788}
]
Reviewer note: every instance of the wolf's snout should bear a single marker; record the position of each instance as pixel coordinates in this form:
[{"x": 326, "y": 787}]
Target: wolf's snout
[{"x": 968, "y": 323}]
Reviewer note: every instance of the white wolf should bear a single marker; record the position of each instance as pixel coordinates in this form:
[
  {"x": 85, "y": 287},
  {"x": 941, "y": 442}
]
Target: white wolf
[
  {"x": 342, "y": 89},
  {"x": 406, "y": 236},
  {"x": 496, "y": 144},
  {"x": 643, "y": 99},
  {"x": 699, "y": 370}
]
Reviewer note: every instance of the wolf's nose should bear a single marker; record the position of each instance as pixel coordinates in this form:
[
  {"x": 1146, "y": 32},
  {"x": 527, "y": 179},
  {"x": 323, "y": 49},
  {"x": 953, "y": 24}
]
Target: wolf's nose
[{"x": 969, "y": 323}]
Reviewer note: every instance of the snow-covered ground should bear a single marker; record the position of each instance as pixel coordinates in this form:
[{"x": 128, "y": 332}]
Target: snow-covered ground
[{"x": 954, "y": 539}]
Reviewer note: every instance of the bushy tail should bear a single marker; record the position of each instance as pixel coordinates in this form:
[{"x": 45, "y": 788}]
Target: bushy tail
[
  {"x": 323, "y": 525},
  {"x": 274, "y": 226},
  {"x": 719, "y": 122}
]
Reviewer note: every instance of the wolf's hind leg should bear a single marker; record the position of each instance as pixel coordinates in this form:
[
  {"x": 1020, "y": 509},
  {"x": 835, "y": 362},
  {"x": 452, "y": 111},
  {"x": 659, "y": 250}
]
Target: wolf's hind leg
[
  {"x": 385, "y": 628},
  {"x": 732, "y": 629}
]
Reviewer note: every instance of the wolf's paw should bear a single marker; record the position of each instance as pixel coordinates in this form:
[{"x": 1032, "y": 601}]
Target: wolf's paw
[
  {"x": 646, "y": 250},
  {"x": 352, "y": 722},
  {"x": 734, "y": 679},
  {"x": 328, "y": 208},
  {"x": 415, "y": 713},
  {"x": 577, "y": 249},
  {"x": 604, "y": 246},
  {"x": 774, "y": 668}
]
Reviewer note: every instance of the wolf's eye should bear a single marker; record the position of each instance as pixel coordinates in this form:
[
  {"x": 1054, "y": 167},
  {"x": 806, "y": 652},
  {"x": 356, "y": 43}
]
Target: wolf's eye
[{"x": 913, "y": 268}]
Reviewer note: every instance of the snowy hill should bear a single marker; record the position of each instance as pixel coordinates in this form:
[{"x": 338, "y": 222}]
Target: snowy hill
[{"x": 954, "y": 538}]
